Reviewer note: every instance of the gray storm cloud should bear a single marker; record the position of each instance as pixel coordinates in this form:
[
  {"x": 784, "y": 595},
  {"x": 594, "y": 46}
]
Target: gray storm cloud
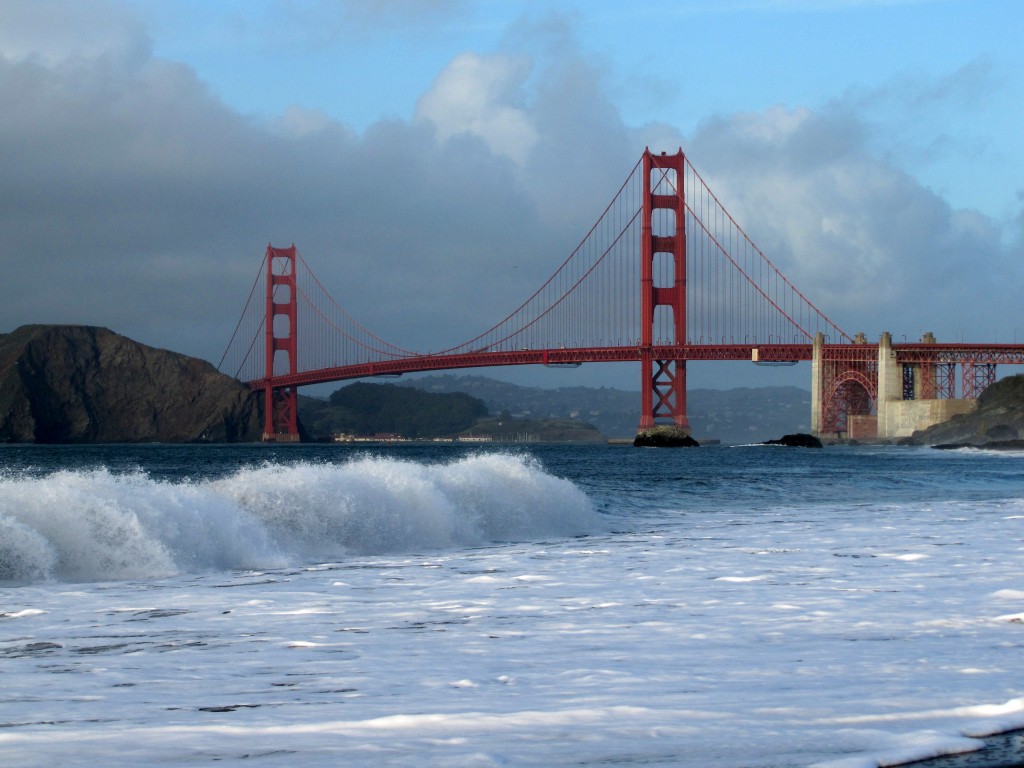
[{"x": 134, "y": 198}]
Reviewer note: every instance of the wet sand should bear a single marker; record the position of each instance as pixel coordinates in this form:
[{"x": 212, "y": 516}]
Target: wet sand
[{"x": 1002, "y": 750}]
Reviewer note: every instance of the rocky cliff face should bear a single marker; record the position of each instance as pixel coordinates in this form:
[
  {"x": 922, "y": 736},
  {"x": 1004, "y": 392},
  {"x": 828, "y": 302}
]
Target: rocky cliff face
[
  {"x": 80, "y": 384},
  {"x": 999, "y": 417}
]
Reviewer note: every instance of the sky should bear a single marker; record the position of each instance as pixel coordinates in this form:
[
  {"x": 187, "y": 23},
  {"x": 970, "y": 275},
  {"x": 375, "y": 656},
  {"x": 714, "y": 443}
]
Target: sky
[{"x": 435, "y": 160}]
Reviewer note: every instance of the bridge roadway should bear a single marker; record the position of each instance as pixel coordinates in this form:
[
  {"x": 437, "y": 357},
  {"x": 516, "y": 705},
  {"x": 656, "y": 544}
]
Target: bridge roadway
[
  {"x": 914, "y": 352},
  {"x": 549, "y": 357}
]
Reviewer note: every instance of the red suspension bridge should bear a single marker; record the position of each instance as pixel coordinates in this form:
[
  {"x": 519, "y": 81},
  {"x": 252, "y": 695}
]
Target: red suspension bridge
[{"x": 665, "y": 276}]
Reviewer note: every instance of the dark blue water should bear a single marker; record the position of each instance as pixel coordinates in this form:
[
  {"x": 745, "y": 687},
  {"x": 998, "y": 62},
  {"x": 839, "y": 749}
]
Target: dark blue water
[
  {"x": 755, "y": 475},
  {"x": 620, "y": 480}
]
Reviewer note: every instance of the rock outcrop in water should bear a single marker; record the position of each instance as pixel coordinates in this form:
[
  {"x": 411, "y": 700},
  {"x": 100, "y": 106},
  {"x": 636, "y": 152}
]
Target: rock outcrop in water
[
  {"x": 798, "y": 440},
  {"x": 664, "y": 436},
  {"x": 82, "y": 384},
  {"x": 997, "y": 422}
]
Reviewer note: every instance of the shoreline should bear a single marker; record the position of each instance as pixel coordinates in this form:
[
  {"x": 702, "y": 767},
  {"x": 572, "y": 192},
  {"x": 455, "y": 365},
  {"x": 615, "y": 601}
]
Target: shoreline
[{"x": 1001, "y": 750}]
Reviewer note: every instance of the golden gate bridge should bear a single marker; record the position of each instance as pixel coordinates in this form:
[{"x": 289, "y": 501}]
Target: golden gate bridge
[{"x": 664, "y": 277}]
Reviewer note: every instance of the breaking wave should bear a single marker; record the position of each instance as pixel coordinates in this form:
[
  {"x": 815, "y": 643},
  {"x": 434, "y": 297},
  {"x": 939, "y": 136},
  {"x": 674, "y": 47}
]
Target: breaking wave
[{"x": 98, "y": 525}]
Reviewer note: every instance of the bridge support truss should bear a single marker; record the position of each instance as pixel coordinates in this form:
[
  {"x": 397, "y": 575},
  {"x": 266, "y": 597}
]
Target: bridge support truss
[
  {"x": 845, "y": 387},
  {"x": 889, "y": 391},
  {"x": 663, "y": 232},
  {"x": 281, "y": 410},
  {"x": 976, "y": 378}
]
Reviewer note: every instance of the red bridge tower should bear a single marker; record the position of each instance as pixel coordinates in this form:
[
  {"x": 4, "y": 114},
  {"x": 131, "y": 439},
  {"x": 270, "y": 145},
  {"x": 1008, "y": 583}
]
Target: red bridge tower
[
  {"x": 281, "y": 412},
  {"x": 663, "y": 234}
]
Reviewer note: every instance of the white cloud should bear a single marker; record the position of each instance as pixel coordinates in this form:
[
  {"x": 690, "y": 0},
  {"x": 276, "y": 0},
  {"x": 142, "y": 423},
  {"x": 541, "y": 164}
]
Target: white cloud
[
  {"x": 482, "y": 96},
  {"x": 867, "y": 243}
]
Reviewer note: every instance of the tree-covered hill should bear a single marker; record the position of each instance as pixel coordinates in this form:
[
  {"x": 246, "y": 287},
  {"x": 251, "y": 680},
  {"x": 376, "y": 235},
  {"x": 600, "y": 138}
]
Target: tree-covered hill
[
  {"x": 740, "y": 415},
  {"x": 369, "y": 409}
]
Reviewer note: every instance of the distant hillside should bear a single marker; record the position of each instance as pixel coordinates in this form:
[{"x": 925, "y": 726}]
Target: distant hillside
[
  {"x": 733, "y": 416},
  {"x": 366, "y": 409},
  {"x": 370, "y": 409},
  {"x": 81, "y": 384}
]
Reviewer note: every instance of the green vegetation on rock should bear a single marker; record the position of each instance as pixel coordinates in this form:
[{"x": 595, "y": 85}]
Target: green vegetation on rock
[
  {"x": 365, "y": 409},
  {"x": 739, "y": 415},
  {"x": 370, "y": 409}
]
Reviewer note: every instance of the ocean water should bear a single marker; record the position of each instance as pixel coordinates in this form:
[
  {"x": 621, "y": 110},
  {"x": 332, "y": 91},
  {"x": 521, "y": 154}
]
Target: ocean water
[{"x": 420, "y": 605}]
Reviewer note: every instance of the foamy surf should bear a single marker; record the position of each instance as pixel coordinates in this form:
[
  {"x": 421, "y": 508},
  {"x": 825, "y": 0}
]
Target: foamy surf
[{"x": 97, "y": 525}]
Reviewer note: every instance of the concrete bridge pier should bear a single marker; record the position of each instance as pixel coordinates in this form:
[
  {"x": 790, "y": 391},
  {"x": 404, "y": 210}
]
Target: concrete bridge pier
[
  {"x": 816, "y": 383},
  {"x": 902, "y": 392},
  {"x": 890, "y": 383}
]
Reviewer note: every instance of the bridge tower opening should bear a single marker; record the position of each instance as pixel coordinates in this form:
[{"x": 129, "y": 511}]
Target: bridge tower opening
[
  {"x": 663, "y": 234},
  {"x": 281, "y": 408}
]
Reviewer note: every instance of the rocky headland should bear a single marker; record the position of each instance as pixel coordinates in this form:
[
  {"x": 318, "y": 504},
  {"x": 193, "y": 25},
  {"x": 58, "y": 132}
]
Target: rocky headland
[
  {"x": 83, "y": 384},
  {"x": 997, "y": 422}
]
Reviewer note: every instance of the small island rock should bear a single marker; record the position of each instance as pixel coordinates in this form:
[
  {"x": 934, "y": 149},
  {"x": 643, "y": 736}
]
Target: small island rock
[
  {"x": 664, "y": 436},
  {"x": 797, "y": 440}
]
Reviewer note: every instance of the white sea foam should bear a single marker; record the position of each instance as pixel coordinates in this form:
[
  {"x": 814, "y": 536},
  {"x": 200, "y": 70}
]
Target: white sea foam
[
  {"x": 95, "y": 525},
  {"x": 845, "y": 633}
]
